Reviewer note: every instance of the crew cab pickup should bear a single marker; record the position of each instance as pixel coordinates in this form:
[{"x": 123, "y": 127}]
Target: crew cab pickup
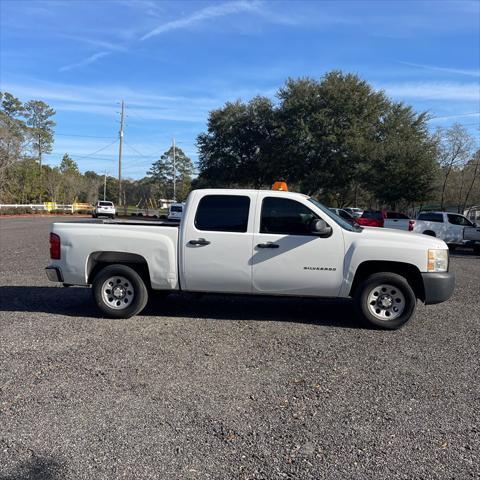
[
  {"x": 453, "y": 228},
  {"x": 255, "y": 242}
]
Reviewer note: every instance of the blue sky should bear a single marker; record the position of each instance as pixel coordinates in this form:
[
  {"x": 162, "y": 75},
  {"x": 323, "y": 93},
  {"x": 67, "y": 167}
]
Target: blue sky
[{"x": 173, "y": 62}]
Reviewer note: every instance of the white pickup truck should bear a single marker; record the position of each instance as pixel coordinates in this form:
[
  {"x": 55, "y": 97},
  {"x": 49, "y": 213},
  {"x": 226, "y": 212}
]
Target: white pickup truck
[
  {"x": 256, "y": 242},
  {"x": 453, "y": 228}
]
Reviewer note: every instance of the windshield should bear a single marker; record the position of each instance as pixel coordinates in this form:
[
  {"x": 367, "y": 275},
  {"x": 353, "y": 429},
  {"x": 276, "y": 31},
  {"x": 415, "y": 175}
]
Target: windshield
[
  {"x": 176, "y": 209},
  {"x": 336, "y": 218},
  {"x": 105, "y": 204}
]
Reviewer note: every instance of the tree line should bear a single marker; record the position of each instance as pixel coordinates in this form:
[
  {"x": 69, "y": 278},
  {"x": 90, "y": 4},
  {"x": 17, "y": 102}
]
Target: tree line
[{"x": 336, "y": 138}]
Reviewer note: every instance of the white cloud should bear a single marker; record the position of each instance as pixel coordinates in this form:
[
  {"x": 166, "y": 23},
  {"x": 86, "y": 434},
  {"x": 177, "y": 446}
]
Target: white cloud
[
  {"x": 447, "y": 91},
  {"x": 458, "y": 71},
  {"x": 87, "y": 61},
  {"x": 212, "y": 11}
]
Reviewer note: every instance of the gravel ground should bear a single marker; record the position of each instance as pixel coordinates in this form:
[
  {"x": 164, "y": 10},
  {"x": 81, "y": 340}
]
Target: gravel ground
[{"x": 217, "y": 388}]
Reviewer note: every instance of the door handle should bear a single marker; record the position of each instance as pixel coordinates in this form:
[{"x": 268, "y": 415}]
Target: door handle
[
  {"x": 268, "y": 245},
  {"x": 200, "y": 241}
]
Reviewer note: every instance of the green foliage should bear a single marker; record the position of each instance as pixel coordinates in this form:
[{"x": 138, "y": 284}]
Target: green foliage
[
  {"x": 68, "y": 166},
  {"x": 38, "y": 115},
  {"x": 161, "y": 175},
  {"x": 238, "y": 147},
  {"x": 330, "y": 138}
]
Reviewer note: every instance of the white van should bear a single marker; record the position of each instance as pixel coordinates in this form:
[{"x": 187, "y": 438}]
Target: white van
[{"x": 175, "y": 211}]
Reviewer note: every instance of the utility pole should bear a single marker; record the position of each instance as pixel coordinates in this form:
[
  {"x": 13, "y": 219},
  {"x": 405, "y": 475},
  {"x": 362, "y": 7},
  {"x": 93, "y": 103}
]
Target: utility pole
[
  {"x": 174, "y": 173},
  {"x": 105, "y": 186},
  {"x": 120, "y": 147}
]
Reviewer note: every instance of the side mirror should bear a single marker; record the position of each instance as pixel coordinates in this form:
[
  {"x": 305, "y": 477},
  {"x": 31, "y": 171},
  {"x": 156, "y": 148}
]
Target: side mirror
[{"x": 319, "y": 227}]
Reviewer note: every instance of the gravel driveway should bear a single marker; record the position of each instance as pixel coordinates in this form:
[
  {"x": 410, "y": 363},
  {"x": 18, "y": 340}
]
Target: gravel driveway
[{"x": 222, "y": 388}]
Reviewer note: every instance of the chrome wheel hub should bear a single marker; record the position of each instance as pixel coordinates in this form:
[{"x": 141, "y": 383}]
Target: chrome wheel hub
[
  {"x": 118, "y": 292},
  {"x": 386, "y": 302}
]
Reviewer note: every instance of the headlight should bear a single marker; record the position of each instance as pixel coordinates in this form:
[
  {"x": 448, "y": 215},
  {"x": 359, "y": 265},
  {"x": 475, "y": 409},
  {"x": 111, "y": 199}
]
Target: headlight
[{"x": 437, "y": 260}]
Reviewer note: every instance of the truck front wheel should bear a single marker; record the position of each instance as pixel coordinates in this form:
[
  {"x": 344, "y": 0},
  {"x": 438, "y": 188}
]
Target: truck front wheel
[
  {"x": 385, "y": 300},
  {"x": 119, "y": 291}
]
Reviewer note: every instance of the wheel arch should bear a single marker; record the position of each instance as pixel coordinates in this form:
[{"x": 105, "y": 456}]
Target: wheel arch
[
  {"x": 410, "y": 272},
  {"x": 98, "y": 260}
]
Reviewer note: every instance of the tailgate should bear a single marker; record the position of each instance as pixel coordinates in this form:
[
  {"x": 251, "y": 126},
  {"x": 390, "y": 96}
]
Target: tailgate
[
  {"x": 471, "y": 233},
  {"x": 396, "y": 223}
]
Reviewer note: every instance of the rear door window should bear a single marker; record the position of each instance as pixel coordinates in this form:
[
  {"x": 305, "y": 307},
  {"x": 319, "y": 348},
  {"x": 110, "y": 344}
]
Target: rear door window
[{"x": 223, "y": 213}]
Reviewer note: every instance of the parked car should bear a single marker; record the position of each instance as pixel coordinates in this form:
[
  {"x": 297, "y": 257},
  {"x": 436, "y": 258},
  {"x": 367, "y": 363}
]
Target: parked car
[
  {"x": 354, "y": 211},
  {"x": 175, "y": 211},
  {"x": 104, "y": 209},
  {"x": 398, "y": 221},
  {"x": 372, "y": 218},
  {"x": 255, "y": 242},
  {"x": 453, "y": 228},
  {"x": 344, "y": 214}
]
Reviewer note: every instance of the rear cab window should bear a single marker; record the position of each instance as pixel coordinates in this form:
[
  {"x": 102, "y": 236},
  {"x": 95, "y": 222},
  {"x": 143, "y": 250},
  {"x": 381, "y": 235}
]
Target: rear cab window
[
  {"x": 372, "y": 215},
  {"x": 431, "y": 217},
  {"x": 397, "y": 216},
  {"x": 223, "y": 213}
]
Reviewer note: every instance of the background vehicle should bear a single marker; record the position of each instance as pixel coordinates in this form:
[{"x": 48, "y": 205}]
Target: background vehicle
[
  {"x": 175, "y": 211},
  {"x": 398, "y": 221},
  {"x": 354, "y": 211},
  {"x": 372, "y": 218},
  {"x": 453, "y": 228},
  {"x": 256, "y": 242},
  {"x": 105, "y": 209},
  {"x": 348, "y": 217}
]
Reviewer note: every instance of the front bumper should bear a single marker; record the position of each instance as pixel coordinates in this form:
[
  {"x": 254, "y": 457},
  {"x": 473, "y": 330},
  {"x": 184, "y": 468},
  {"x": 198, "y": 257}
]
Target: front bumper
[
  {"x": 54, "y": 274},
  {"x": 438, "y": 286}
]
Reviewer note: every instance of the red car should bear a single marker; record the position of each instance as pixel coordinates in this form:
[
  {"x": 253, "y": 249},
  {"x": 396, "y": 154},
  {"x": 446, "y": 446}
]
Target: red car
[{"x": 372, "y": 218}]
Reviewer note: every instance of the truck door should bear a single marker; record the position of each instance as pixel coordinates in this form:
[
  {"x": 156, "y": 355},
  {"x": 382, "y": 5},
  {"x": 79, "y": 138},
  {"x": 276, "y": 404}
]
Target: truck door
[
  {"x": 456, "y": 226},
  {"x": 217, "y": 244},
  {"x": 287, "y": 258}
]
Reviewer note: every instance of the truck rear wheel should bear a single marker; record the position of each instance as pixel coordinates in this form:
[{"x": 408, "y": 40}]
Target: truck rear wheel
[
  {"x": 385, "y": 300},
  {"x": 119, "y": 291}
]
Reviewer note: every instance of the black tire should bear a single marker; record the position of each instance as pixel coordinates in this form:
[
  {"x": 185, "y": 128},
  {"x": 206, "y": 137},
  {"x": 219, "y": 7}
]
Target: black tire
[
  {"x": 476, "y": 249},
  {"x": 451, "y": 247},
  {"x": 94, "y": 216},
  {"x": 362, "y": 306},
  {"x": 135, "y": 284}
]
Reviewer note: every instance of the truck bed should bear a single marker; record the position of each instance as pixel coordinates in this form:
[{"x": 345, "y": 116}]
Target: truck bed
[{"x": 86, "y": 243}]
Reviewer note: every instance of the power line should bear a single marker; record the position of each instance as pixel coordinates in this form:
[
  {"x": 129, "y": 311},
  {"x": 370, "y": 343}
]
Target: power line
[
  {"x": 136, "y": 151},
  {"x": 99, "y": 150},
  {"x": 82, "y": 136}
]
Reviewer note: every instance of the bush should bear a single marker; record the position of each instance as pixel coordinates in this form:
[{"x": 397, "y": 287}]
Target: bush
[{"x": 16, "y": 211}]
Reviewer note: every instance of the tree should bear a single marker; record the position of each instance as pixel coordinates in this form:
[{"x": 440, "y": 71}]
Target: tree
[
  {"x": 325, "y": 137},
  {"x": 38, "y": 115},
  {"x": 71, "y": 179},
  {"x": 328, "y": 129},
  {"x": 68, "y": 166},
  {"x": 403, "y": 164},
  {"x": 239, "y": 146},
  {"x": 473, "y": 169},
  {"x": 52, "y": 182},
  {"x": 161, "y": 174},
  {"x": 12, "y": 133},
  {"x": 455, "y": 148}
]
